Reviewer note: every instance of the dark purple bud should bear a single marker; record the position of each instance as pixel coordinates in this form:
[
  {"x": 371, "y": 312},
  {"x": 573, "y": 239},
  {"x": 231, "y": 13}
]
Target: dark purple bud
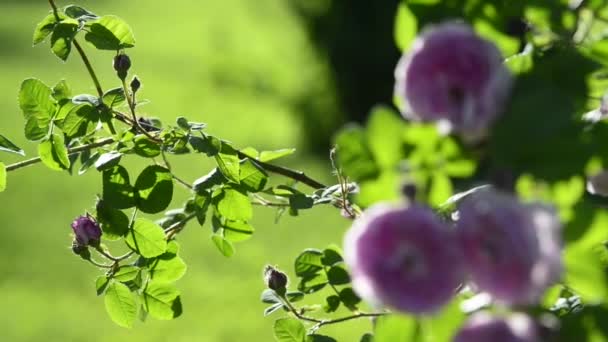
[
  {"x": 86, "y": 231},
  {"x": 404, "y": 258},
  {"x": 455, "y": 78},
  {"x": 135, "y": 84},
  {"x": 512, "y": 250},
  {"x": 122, "y": 64},
  {"x": 482, "y": 327},
  {"x": 408, "y": 190},
  {"x": 275, "y": 280}
]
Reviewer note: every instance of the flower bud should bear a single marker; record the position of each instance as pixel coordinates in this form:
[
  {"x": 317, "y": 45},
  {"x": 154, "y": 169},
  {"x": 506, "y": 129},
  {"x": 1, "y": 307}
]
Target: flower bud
[
  {"x": 135, "y": 84},
  {"x": 512, "y": 250},
  {"x": 404, "y": 258},
  {"x": 122, "y": 64},
  {"x": 481, "y": 327},
  {"x": 275, "y": 280},
  {"x": 86, "y": 231},
  {"x": 454, "y": 77}
]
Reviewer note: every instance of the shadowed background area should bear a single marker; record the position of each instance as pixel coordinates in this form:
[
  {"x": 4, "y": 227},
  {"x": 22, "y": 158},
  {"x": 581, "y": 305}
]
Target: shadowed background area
[{"x": 266, "y": 73}]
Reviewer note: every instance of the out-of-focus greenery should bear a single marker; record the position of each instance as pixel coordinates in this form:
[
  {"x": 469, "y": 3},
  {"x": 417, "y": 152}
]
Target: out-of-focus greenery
[{"x": 244, "y": 67}]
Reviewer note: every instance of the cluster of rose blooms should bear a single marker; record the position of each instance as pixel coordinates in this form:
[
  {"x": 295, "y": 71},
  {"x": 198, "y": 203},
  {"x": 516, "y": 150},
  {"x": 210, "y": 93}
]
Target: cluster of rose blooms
[{"x": 406, "y": 258}]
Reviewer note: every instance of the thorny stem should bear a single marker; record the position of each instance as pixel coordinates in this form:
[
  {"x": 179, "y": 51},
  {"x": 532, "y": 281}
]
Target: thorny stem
[
  {"x": 71, "y": 151},
  {"x": 293, "y": 174},
  {"x": 322, "y": 322},
  {"x": 131, "y": 103}
]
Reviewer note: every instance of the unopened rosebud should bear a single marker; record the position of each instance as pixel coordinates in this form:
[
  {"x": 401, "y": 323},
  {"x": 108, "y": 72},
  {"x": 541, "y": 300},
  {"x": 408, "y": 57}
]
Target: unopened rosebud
[
  {"x": 408, "y": 190},
  {"x": 275, "y": 280},
  {"x": 86, "y": 231},
  {"x": 122, "y": 64},
  {"x": 135, "y": 84}
]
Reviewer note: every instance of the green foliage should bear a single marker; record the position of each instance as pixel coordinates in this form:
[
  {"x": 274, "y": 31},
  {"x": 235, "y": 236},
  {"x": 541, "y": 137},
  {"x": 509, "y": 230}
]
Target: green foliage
[
  {"x": 146, "y": 238},
  {"x": 117, "y": 190},
  {"x": 38, "y": 108},
  {"x": 154, "y": 189},
  {"x": 120, "y": 304},
  {"x": 8, "y": 146},
  {"x": 110, "y": 33},
  {"x": 289, "y": 330},
  {"x": 162, "y": 301},
  {"x": 53, "y": 153}
]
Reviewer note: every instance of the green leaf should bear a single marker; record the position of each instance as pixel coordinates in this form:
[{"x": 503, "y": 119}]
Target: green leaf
[
  {"x": 147, "y": 238},
  {"x": 269, "y": 296},
  {"x": 349, "y": 297},
  {"x": 236, "y": 231},
  {"x": 117, "y": 190},
  {"x": 114, "y": 97},
  {"x": 61, "y": 91},
  {"x": 2, "y": 177},
  {"x": 144, "y": 147},
  {"x": 585, "y": 274},
  {"x": 233, "y": 204},
  {"x": 108, "y": 160},
  {"x": 154, "y": 187},
  {"x": 331, "y": 303},
  {"x": 86, "y": 99},
  {"x": 61, "y": 39},
  {"x": 320, "y": 338},
  {"x": 266, "y": 156},
  {"x": 120, "y": 304},
  {"x": 166, "y": 268},
  {"x": 294, "y": 296},
  {"x": 331, "y": 255},
  {"x": 252, "y": 177},
  {"x": 53, "y": 153},
  {"x": 228, "y": 162},
  {"x": 110, "y": 33},
  {"x": 441, "y": 189},
  {"x": 308, "y": 262},
  {"x": 312, "y": 283},
  {"x": 354, "y": 154},
  {"x": 443, "y": 325},
  {"x": 459, "y": 168},
  {"x": 44, "y": 28},
  {"x": 214, "y": 177},
  {"x": 384, "y": 135},
  {"x": 406, "y": 27},
  {"x": 77, "y": 12},
  {"x": 162, "y": 301},
  {"x": 101, "y": 283},
  {"x": 301, "y": 201},
  {"x": 223, "y": 245},
  {"x": 126, "y": 273},
  {"x": 81, "y": 120},
  {"x": 38, "y": 107},
  {"x": 274, "y": 307},
  {"x": 114, "y": 223},
  {"x": 8, "y": 146},
  {"x": 289, "y": 330},
  {"x": 395, "y": 327},
  {"x": 337, "y": 275}
]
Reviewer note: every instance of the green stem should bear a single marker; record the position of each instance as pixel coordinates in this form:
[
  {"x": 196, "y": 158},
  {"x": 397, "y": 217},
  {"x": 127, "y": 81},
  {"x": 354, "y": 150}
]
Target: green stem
[
  {"x": 71, "y": 151},
  {"x": 89, "y": 67}
]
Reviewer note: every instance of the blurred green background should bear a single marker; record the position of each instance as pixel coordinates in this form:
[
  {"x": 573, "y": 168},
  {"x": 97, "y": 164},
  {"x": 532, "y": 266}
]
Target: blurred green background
[{"x": 260, "y": 73}]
